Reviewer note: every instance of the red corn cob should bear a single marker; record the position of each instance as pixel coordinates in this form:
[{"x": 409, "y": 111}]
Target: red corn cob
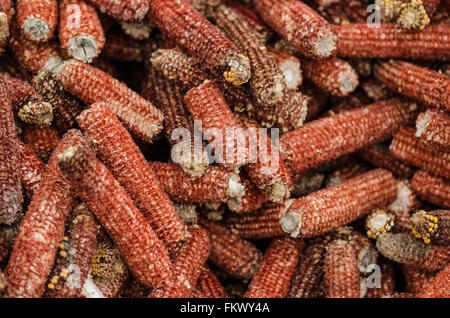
[
  {"x": 177, "y": 121},
  {"x": 27, "y": 102},
  {"x": 92, "y": 85},
  {"x": 405, "y": 146},
  {"x": 424, "y": 85},
  {"x": 252, "y": 199},
  {"x": 232, "y": 254},
  {"x": 187, "y": 266},
  {"x": 217, "y": 185},
  {"x": 391, "y": 41},
  {"x": 123, "y": 10},
  {"x": 306, "y": 30},
  {"x": 109, "y": 272},
  {"x": 273, "y": 276},
  {"x": 415, "y": 279},
  {"x": 120, "y": 47},
  {"x": 126, "y": 162},
  {"x": 308, "y": 279},
  {"x": 433, "y": 226},
  {"x": 317, "y": 102},
  {"x": 433, "y": 129},
  {"x": 42, "y": 140},
  {"x": 80, "y": 31},
  {"x": 331, "y": 137},
  {"x": 431, "y": 188},
  {"x": 144, "y": 253},
  {"x": 379, "y": 156},
  {"x": 37, "y": 19},
  {"x": 340, "y": 204},
  {"x": 365, "y": 252},
  {"x": 268, "y": 173},
  {"x": 40, "y": 232},
  {"x": 76, "y": 251},
  {"x": 387, "y": 281},
  {"x": 437, "y": 287},
  {"x": 31, "y": 168},
  {"x": 206, "y": 104},
  {"x": 379, "y": 222},
  {"x": 289, "y": 66},
  {"x": 65, "y": 106},
  {"x": 31, "y": 55},
  {"x": 10, "y": 186},
  {"x": 403, "y": 248},
  {"x": 264, "y": 223},
  {"x": 341, "y": 274},
  {"x": 203, "y": 40},
  {"x": 208, "y": 286},
  {"x": 334, "y": 76}
]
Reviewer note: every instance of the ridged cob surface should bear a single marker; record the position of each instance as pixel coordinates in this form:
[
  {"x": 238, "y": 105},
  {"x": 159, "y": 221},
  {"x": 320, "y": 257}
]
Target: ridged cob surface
[
  {"x": 274, "y": 274},
  {"x": 407, "y": 147},
  {"x": 122, "y": 10},
  {"x": 31, "y": 168},
  {"x": 208, "y": 286},
  {"x": 144, "y": 253},
  {"x": 37, "y": 19},
  {"x": 432, "y": 189},
  {"x": 42, "y": 140},
  {"x": 419, "y": 83},
  {"x": 437, "y": 287},
  {"x": 433, "y": 129},
  {"x": 331, "y": 137}
]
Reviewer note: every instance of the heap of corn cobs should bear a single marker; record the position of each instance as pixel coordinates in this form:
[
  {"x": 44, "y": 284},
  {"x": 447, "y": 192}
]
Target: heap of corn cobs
[{"x": 106, "y": 192}]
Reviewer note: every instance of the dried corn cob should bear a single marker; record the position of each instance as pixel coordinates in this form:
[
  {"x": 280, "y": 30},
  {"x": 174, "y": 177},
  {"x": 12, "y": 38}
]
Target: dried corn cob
[
  {"x": 341, "y": 274},
  {"x": 306, "y": 30},
  {"x": 276, "y": 269},
  {"x": 433, "y": 226},
  {"x": 375, "y": 90},
  {"x": 208, "y": 286},
  {"x": 80, "y": 31},
  {"x": 345, "y": 172},
  {"x": 415, "y": 279},
  {"x": 387, "y": 277},
  {"x": 65, "y": 106},
  {"x": 404, "y": 203},
  {"x": 187, "y": 266},
  {"x": 379, "y": 156},
  {"x": 116, "y": 148},
  {"x": 252, "y": 200},
  {"x": 268, "y": 173},
  {"x": 137, "y": 30},
  {"x": 177, "y": 123},
  {"x": 379, "y": 222},
  {"x": 31, "y": 169},
  {"x": 144, "y": 253},
  {"x": 433, "y": 129},
  {"x": 31, "y": 55},
  {"x": 27, "y": 102},
  {"x": 431, "y": 188},
  {"x": 123, "y": 10},
  {"x": 404, "y": 249},
  {"x": 331, "y": 137},
  {"x": 361, "y": 40},
  {"x": 340, "y": 204},
  {"x": 203, "y": 40},
  {"x": 120, "y": 47},
  {"x": 10, "y": 185},
  {"x": 42, "y": 140},
  {"x": 318, "y": 100},
  {"x": 406, "y": 147},
  {"x": 40, "y": 232},
  {"x": 37, "y": 19},
  {"x": 437, "y": 287},
  {"x": 334, "y": 76},
  {"x": 365, "y": 252},
  {"x": 207, "y": 105},
  {"x": 289, "y": 66},
  {"x": 109, "y": 272},
  {"x": 424, "y": 85},
  {"x": 235, "y": 256},
  {"x": 76, "y": 251},
  {"x": 308, "y": 279},
  {"x": 5, "y": 20},
  {"x": 217, "y": 185},
  {"x": 92, "y": 85}
]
